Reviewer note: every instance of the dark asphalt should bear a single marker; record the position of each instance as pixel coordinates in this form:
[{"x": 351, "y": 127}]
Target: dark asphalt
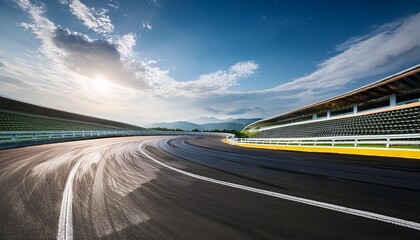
[{"x": 119, "y": 193}]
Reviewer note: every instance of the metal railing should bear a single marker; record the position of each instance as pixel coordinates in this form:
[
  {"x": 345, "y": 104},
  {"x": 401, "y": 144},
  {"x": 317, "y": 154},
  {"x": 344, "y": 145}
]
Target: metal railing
[
  {"x": 355, "y": 141},
  {"x": 25, "y": 136}
]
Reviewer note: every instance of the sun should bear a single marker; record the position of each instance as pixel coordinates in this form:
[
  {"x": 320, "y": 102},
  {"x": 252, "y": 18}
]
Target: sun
[{"x": 100, "y": 85}]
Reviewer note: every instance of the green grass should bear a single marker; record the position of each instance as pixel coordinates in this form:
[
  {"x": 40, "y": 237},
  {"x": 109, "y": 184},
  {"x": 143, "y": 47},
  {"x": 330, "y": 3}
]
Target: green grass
[
  {"x": 380, "y": 146},
  {"x": 407, "y": 146},
  {"x": 373, "y": 145}
]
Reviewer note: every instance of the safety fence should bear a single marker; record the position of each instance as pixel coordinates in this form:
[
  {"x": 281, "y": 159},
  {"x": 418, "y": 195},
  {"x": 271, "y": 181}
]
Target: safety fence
[
  {"x": 27, "y": 136},
  {"x": 386, "y": 141}
]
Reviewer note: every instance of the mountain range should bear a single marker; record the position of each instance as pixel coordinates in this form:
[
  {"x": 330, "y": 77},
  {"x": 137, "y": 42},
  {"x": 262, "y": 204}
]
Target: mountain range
[{"x": 206, "y": 123}]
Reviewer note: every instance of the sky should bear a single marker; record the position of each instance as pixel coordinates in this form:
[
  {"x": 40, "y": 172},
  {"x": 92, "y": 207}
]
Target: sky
[{"x": 152, "y": 61}]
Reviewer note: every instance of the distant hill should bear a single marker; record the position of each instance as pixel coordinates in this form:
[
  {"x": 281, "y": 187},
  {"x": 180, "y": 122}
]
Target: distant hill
[
  {"x": 206, "y": 120},
  {"x": 203, "y": 124},
  {"x": 186, "y": 126},
  {"x": 223, "y": 125}
]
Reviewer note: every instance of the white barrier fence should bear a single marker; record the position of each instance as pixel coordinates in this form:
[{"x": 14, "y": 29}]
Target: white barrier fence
[
  {"x": 25, "y": 136},
  {"x": 386, "y": 140}
]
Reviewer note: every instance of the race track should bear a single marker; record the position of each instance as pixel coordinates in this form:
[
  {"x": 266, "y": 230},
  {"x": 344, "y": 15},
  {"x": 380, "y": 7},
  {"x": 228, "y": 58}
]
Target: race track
[{"x": 187, "y": 187}]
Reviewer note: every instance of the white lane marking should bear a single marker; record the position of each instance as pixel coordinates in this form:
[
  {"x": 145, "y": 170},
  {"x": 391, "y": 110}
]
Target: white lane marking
[
  {"x": 65, "y": 224},
  {"x": 337, "y": 208}
]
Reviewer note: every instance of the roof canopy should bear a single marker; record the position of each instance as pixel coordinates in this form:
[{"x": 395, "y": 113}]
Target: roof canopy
[{"x": 407, "y": 81}]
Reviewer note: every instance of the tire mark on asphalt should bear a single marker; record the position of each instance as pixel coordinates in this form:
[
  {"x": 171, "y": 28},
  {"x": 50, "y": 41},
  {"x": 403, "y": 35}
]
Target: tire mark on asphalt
[
  {"x": 65, "y": 224},
  {"x": 329, "y": 206}
]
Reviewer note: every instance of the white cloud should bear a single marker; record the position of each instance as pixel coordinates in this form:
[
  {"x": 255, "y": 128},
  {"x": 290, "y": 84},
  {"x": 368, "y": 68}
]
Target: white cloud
[
  {"x": 154, "y": 3},
  {"x": 114, "y": 4},
  {"x": 71, "y": 53},
  {"x": 74, "y": 53},
  {"x": 148, "y": 91},
  {"x": 389, "y": 47},
  {"x": 382, "y": 51},
  {"x": 41, "y": 26},
  {"x": 125, "y": 45},
  {"x": 217, "y": 81},
  {"x": 243, "y": 69},
  {"x": 146, "y": 25},
  {"x": 94, "y": 19}
]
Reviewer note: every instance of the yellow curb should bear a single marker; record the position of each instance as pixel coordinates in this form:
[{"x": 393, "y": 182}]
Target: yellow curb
[{"x": 381, "y": 152}]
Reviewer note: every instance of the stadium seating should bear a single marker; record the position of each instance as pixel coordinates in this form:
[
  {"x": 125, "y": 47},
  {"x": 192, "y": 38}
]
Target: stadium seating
[
  {"x": 401, "y": 121},
  {"x": 20, "y": 122}
]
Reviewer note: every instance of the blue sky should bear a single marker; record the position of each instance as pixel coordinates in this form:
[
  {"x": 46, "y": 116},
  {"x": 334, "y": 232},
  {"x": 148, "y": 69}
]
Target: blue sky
[{"x": 166, "y": 60}]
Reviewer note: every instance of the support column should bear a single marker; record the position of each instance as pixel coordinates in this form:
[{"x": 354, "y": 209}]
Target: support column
[
  {"x": 355, "y": 108},
  {"x": 314, "y": 116},
  {"x": 328, "y": 113},
  {"x": 392, "y": 100}
]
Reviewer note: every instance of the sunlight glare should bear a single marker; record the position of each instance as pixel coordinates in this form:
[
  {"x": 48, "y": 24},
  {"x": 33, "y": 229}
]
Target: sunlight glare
[{"x": 100, "y": 85}]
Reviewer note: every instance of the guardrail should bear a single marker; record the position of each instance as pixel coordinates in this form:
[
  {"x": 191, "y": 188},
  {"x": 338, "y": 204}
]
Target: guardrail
[
  {"x": 25, "y": 136},
  {"x": 386, "y": 140}
]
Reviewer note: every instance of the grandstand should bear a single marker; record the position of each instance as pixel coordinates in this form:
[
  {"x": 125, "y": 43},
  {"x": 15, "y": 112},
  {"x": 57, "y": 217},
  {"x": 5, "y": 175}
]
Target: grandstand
[
  {"x": 20, "y": 116},
  {"x": 390, "y": 106}
]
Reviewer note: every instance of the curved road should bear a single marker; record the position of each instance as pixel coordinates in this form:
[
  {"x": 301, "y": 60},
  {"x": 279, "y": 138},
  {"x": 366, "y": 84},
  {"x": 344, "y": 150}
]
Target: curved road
[{"x": 201, "y": 188}]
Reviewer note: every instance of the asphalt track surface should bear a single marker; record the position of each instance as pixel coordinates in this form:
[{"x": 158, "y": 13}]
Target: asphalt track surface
[{"x": 201, "y": 188}]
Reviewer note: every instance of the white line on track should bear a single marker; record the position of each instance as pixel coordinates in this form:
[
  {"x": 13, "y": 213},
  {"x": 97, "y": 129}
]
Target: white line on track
[
  {"x": 65, "y": 224},
  {"x": 333, "y": 207}
]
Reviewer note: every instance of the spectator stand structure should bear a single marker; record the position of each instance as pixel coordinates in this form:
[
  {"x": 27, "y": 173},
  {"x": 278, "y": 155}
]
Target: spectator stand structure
[
  {"x": 23, "y": 123},
  {"x": 385, "y": 114}
]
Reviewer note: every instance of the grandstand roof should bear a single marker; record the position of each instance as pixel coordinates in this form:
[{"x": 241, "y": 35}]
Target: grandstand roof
[
  {"x": 405, "y": 82},
  {"x": 15, "y": 106}
]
